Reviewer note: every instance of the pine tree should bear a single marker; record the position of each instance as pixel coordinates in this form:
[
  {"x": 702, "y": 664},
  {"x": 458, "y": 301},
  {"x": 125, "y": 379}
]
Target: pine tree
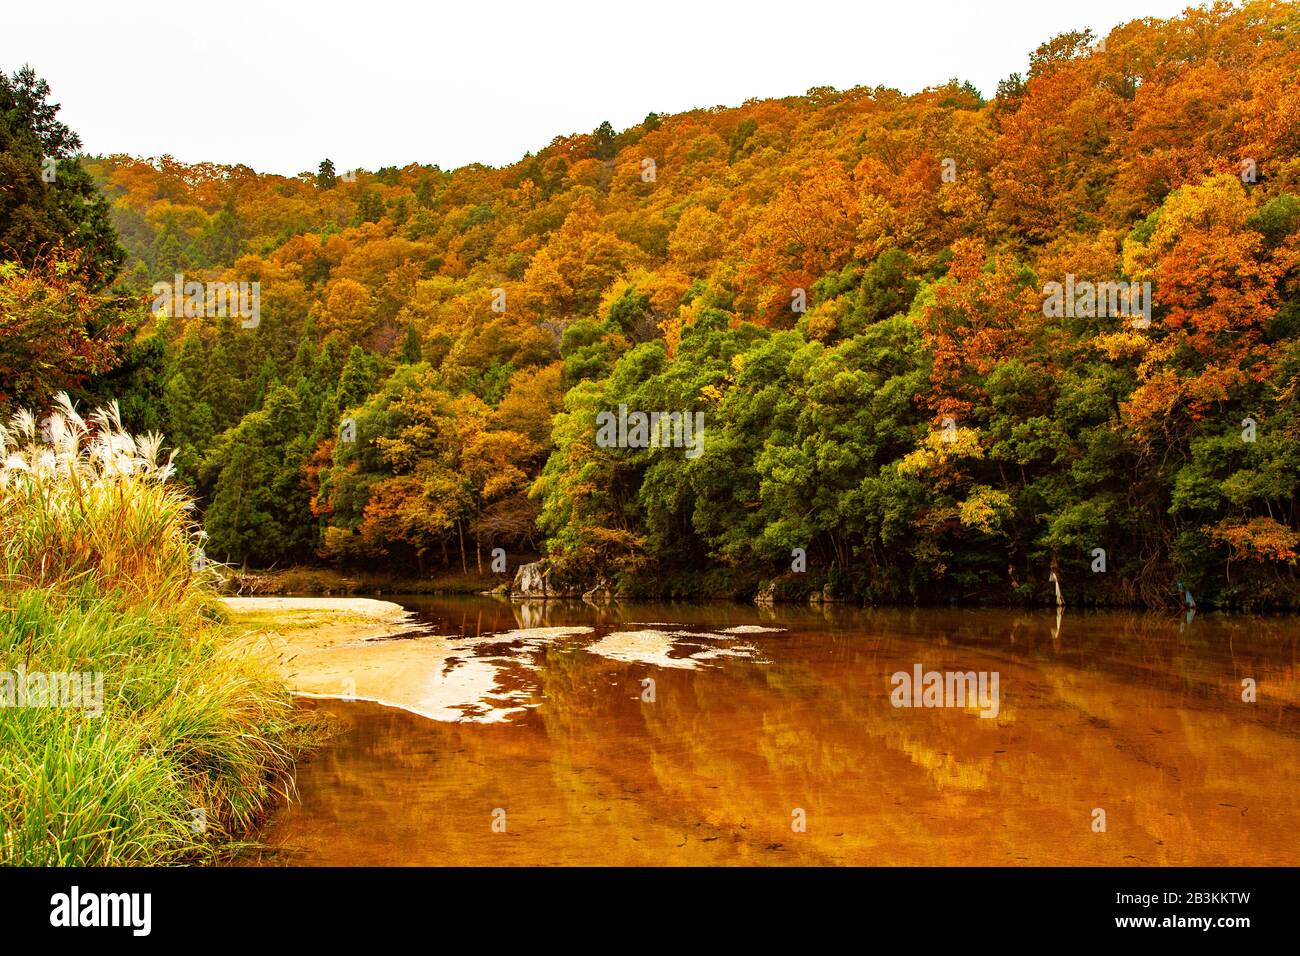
[
  {"x": 37, "y": 215},
  {"x": 603, "y": 141},
  {"x": 326, "y": 178},
  {"x": 358, "y": 378},
  {"x": 410, "y": 349}
]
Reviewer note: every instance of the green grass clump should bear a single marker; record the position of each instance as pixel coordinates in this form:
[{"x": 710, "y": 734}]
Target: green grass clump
[{"x": 195, "y": 734}]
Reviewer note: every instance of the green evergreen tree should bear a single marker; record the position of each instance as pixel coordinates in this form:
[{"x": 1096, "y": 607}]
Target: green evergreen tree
[
  {"x": 46, "y": 198},
  {"x": 260, "y": 510},
  {"x": 358, "y": 378},
  {"x": 409, "y": 350},
  {"x": 603, "y": 141},
  {"x": 326, "y": 177},
  {"x": 370, "y": 207},
  {"x": 222, "y": 238}
]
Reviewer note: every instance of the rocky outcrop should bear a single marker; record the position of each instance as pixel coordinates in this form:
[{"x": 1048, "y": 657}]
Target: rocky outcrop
[
  {"x": 825, "y": 596},
  {"x": 794, "y": 588},
  {"x": 538, "y": 581},
  {"x": 602, "y": 593},
  {"x": 531, "y": 580}
]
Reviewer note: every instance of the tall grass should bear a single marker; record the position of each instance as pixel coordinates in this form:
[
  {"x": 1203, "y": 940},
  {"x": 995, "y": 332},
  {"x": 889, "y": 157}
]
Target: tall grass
[
  {"x": 86, "y": 501},
  {"x": 196, "y": 734}
]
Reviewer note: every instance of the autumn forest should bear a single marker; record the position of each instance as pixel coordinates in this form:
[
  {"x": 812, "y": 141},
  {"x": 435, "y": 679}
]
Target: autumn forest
[{"x": 944, "y": 347}]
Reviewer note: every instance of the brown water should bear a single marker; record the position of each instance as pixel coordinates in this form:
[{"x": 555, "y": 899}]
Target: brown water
[{"x": 1138, "y": 715}]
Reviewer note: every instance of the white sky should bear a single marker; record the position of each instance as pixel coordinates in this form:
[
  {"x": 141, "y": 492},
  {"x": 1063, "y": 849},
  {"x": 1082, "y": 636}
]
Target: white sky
[{"x": 376, "y": 83}]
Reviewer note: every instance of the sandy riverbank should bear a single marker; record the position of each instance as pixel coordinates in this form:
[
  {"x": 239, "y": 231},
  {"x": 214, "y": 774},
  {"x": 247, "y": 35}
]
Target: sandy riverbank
[
  {"x": 372, "y": 650},
  {"x": 334, "y": 607},
  {"x": 367, "y": 649}
]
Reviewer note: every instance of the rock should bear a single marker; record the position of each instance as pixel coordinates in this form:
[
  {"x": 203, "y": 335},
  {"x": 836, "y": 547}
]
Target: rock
[
  {"x": 825, "y": 596},
  {"x": 602, "y": 593},
  {"x": 766, "y": 595},
  {"x": 531, "y": 580},
  {"x": 537, "y": 581}
]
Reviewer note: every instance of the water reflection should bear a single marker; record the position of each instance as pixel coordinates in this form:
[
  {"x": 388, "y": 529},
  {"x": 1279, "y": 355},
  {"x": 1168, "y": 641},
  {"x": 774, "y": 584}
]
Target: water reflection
[{"x": 1137, "y": 714}]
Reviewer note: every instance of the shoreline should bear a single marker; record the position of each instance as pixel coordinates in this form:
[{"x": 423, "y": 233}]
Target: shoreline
[
  {"x": 364, "y": 649},
  {"x": 783, "y": 590},
  {"x": 317, "y": 641}
]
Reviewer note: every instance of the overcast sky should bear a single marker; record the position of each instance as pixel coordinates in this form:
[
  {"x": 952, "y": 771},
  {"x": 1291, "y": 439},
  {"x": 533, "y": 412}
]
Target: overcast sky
[{"x": 378, "y": 83}]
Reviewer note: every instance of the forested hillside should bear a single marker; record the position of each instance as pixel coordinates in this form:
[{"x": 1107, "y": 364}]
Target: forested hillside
[{"x": 852, "y": 287}]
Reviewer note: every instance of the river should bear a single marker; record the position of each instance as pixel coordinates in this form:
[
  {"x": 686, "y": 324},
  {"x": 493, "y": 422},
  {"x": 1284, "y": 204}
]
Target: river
[{"x": 684, "y": 734}]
